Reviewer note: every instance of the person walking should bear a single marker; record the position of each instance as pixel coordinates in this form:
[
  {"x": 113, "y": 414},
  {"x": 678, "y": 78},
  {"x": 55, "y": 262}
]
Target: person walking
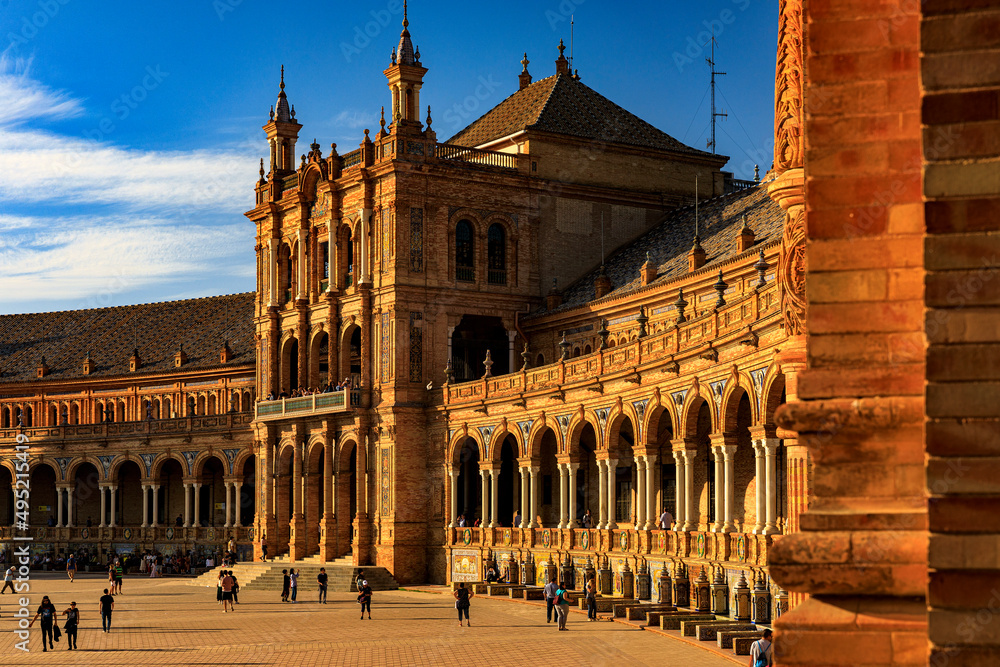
[
  {"x": 592, "y": 599},
  {"x": 286, "y": 582},
  {"x": 218, "y": 587},
  {"x": 562, "y": 606},
  {"x": 119, "y": 575},
  {"x": 760, "y": 651},
  {"x": 666, "y": 519},
  {"x": 70, "y": 626},
  {"x": 107, "y": 606},
  {"x": 365, "y": 598},
  {"x": 8, "y": 580},
  {"x": 263, "y": 550},
  {"x": 550, "y": 598},
  {"x": 47, "y": 612},
  {"x": 236, "y": 588},
  {"x": 360, "y": 579},
  {"x": 293, "y": 583},
  {"x": 227, "y": 591},
  {"x": 71, "y": 567},
  {"x": 462, "y": 597},
  {"x": 322, "y": 579}
]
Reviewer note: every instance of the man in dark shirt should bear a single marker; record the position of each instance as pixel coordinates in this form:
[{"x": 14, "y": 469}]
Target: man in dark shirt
[
  {"x": 70, "y": 626},
  {"x": 286, "y": 583},
  {"x": 107, "y": 606},
  {"x": 322, "y": 578}
]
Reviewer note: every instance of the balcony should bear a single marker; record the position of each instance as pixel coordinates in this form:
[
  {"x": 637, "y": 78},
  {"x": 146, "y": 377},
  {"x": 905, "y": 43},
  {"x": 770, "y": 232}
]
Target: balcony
[{"x": 307, "y": 406}]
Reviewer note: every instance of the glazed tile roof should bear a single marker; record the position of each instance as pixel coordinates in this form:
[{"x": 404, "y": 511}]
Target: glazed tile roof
[
  {"x": 719, "y": 222},
  {"x": 110, "y": 335},
  {"x": 564, "y": 105}
]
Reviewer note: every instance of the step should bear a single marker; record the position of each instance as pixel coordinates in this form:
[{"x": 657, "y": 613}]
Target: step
[
  {"x": 709, "y": 631},
  {"x": 620, "y": 606},
  {"x": 639, "y": 611},
  {"x": 653, "y": 617},
  {"x": 268, "y": 576},
  {"x": 725, "y": 637},
  {"x": 670, "y": 621}
]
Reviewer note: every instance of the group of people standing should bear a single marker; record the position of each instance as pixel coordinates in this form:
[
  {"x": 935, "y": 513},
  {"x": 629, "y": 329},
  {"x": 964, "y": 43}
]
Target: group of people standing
[
  {"x": 47, "y": 615},
  {"x": 227, "y": 590}
]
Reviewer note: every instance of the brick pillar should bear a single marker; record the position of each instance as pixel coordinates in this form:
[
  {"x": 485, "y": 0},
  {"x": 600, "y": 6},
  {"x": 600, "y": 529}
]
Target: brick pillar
[
  {"x": 297, "y": 526},
  {"x": 849, "y": 179},
  {"x": 327, "y": 523},
  {"x": 962, "y": 295}
]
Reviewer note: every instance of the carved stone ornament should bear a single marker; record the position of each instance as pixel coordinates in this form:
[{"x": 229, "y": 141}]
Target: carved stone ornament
[
  {"x": 792, "y": 272},
  {"x": 788, "y": 87}
]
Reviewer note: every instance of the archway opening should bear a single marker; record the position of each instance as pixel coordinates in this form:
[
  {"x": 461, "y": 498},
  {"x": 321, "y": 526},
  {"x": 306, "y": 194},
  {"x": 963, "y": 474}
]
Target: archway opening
[
  {"x": 43, "y": 494},
  {"x": 508, "y": 482},
  {"x": 473, "y": 336},
  {"x": 129, "y": 500},
  {"x": 468, "y": 477},
  {"x": 213, "y": 493},
  {"x": 248, "y": 492}
]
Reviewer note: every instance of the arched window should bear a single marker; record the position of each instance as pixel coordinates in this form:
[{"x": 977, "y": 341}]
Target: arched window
[
  {"x": 289, "y": 272},
  {"x": 27, "y": 416},
  {"x": 465, "y": 268},
  {"x": 75, "y": 414},
  {"x": 5, "y": 419},
  {"x": 349, "y": 277},
  {"x": 324, "y": 260},
  {"x": 496, "y": 251},
  {"x": 540, "y": 361}
]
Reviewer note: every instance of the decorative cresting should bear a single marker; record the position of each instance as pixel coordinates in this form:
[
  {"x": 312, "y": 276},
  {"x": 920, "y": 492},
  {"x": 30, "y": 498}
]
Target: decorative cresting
[{"x": 787, "y": 190}]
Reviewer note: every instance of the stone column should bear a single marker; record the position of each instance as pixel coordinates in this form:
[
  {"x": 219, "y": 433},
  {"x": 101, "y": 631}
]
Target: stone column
[
  {"x": 510, "y": 350},
  {"x": 719, "y": 495},
  {"x": 534, "y": 495},
  {"x": 187, "y": 505},
  {"x": 272, "y": 258},
  {"x": 680, "y": 493},
  {"x": 571, "y": 469},
  {"x": 640, "y": 493},
  {"x": 770, "y": 446},
  {"x": 760, "y": 483},
  {"x": 301, "y": 277},
  {"x": 484, "y": 475},
  {"x": 494, "y": 496},
  {"x": 525, "y": 497},
  {"x": 297, "y": 525},
  {"x": 238, "y": 501},
  {"x": 156, "y": 505},
  {"x": 602, "y": 505},
  {"x": 612, "y": 469},
  {"x": 690, "y": 506},
  {"x": 69, "y": 504},
  {"x": 229, "y": 507},
  {"x": 453, "y": 496},
  {"x": 728, "y": 452},
  {"x": 113, "y": 489},
  {"x": 652, "y": 515},
  {"x": 145, "y": 506},
  {"x": 562, "y": 497},
  {"x": 196, "y": 504}
]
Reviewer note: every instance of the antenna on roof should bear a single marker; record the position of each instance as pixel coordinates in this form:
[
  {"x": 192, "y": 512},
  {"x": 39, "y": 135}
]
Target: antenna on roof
[
  {"x": 715, "y": 114},
  {"x": 571, "y": 20}
]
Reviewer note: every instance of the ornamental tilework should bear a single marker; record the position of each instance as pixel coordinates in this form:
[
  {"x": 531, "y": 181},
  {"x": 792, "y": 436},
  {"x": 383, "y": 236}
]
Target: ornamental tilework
[
  {"x": 190, "y": 457},
  {"x": 417, "y": 240},
  {"x": 416, "y": 347},
  {"x": 718, "y": 388},
  {"x": 106, "y": 463},
  {"x": 386, "y": 483},
  {"x": 679, "y": 397},
  {"x": 231, "y": 457},
  {"x": 147, "y": 460},
  {"x": 386, "y": 347},
  {"x": 63, "y": 464},
  {"x": 758, "y": 383},
  {"x": 640, "y": 411}
]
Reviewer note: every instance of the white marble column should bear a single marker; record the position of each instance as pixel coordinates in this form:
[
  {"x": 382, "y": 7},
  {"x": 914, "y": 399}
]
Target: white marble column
[
  {"x": 301, "y": 266},
  {"x": 571, "y": 469},
  {"x": 602, "y": 504},
  {"x": 453, "y": 496},
  {"x": 717, "y": 522},
  {"x": 238, "y": 499},
  {"x": 113, "y": 490},
  {"x": 229, "y": 506},
  {"x": 652, "y": 516},
  {"x": 562, "y": 496},
  {"x": 770, "y": 454},
  {"x": 145, "y": 506},
  {"x": 690, "y": 504},
  {"x": 494, "y": 496},
  {"x": 760, "y": 483},
  {"x": 640, "y": 493},
  {"x": 728, "y": 452},
  {"x": 535, "y": 481},
  {"x": 272, "y": 259},
  {"x": 187, "y": 506},
  {"x": 196, "y": 504},
  {"x": 330, "y": 254},
  {"x": 59, "y": 506},
  {"x": 680, "y": 495},
  {"x": 484, "y": 475},
  {"x": 69, "y": 504},
  {"x": 525, "y": 497},
  {"x": 612, "y": 471},
  {"x": 156, "y": 505}
]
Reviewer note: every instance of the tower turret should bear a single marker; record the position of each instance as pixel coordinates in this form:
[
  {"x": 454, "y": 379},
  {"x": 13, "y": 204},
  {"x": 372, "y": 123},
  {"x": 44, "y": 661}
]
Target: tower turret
[
  {"x": 282, "y": 132},
  {"x": 405, "y": 76}
]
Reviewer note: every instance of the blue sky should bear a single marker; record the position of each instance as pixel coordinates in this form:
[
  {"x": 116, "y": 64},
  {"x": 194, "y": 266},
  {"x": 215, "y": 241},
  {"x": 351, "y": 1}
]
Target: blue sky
[{"x": 131, "y": 130}]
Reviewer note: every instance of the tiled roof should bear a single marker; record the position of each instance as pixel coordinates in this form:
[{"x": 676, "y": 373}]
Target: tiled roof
[
  {"x": 564, "y": 105},
  {"x": 110, "y": 335},
  {"x": 719, "y": 223}
]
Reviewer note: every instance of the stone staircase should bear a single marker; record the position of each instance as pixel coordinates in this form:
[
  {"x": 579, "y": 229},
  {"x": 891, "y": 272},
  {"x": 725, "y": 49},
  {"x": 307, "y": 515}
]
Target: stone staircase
[{"x": 258, "y": 576}]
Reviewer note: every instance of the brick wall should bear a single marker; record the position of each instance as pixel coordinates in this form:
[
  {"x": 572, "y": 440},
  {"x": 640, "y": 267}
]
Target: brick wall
[{"x": 961, "y": 145}]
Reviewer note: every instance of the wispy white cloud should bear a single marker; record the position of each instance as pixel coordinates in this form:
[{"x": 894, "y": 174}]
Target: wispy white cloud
[
  {"x": 353, "y": 119},
  {"x": 26, "y": 99}
]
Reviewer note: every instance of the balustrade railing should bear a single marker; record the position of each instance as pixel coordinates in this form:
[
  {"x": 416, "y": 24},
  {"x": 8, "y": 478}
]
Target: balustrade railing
[
  {"x": 336, "y": 401},
  {"x": 351, "y": 159},
  {"x": 475, "y": 156}
]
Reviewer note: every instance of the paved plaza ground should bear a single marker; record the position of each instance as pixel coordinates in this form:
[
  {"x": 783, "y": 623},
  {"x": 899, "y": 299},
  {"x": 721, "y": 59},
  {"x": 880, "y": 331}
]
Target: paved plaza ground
[{"x": 169, "y": 622}]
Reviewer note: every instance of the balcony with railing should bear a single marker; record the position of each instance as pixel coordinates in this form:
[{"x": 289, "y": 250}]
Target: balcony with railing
[
  {"x": 307, "y": 406},
  {"x": 352, "y": 159},
  {"x": 144, "y": 428},
  {"x": 475, "y": 156}
]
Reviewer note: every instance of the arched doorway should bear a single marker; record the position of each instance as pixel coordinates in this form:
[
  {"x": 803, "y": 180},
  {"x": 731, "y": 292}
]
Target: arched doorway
[
  {"x": 170, "y": 497},
  {"x": 350, "y": 351},
  {"x": 508, "y": 482},
  {"x": 43, "y": 493},
  {"x": 625, "y": 477},
  {"x": 549, "y": 506},
  {"x": 213, "y": 493},
  {"x": 248, "y": 492},
  {"x": 6, "y": 497},
  {"x": 319, "y": 361},
  {"x": 469, "y": 490},
  {"x": 587, "y": 488},
  {"x": 85, "y": 496},
  {"x": 474, "y": 335},
  {"x": 129, "y": 500}
]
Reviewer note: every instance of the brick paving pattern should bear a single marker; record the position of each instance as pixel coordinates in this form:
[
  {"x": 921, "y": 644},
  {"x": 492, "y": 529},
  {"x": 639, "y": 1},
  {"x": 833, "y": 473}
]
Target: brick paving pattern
[{"x": 168, "y": 622}]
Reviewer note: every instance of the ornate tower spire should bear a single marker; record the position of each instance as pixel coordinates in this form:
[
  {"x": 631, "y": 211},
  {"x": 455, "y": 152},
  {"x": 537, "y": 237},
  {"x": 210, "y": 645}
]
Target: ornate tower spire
[
  {"x": 562, "y": 65},
  {"x": 405, "y": 77},
  {"x": 282, "y": 131},
  {"x": 524, "y": 78}
]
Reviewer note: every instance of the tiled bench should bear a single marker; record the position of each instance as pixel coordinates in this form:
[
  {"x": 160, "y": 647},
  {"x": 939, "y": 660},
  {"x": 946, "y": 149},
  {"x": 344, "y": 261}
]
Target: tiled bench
[
  {"x": 536, "y": 593},
  {"x": 725, "y": 637},
  {"x": 741, "y": 645},
  {"x": 673, "y": 621},
  {"x": 709, "y": 631},
  {"x": 639, "y": 611},
  {"x": 497, "y": 589},
  {"x": 621, "y": 607}
]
